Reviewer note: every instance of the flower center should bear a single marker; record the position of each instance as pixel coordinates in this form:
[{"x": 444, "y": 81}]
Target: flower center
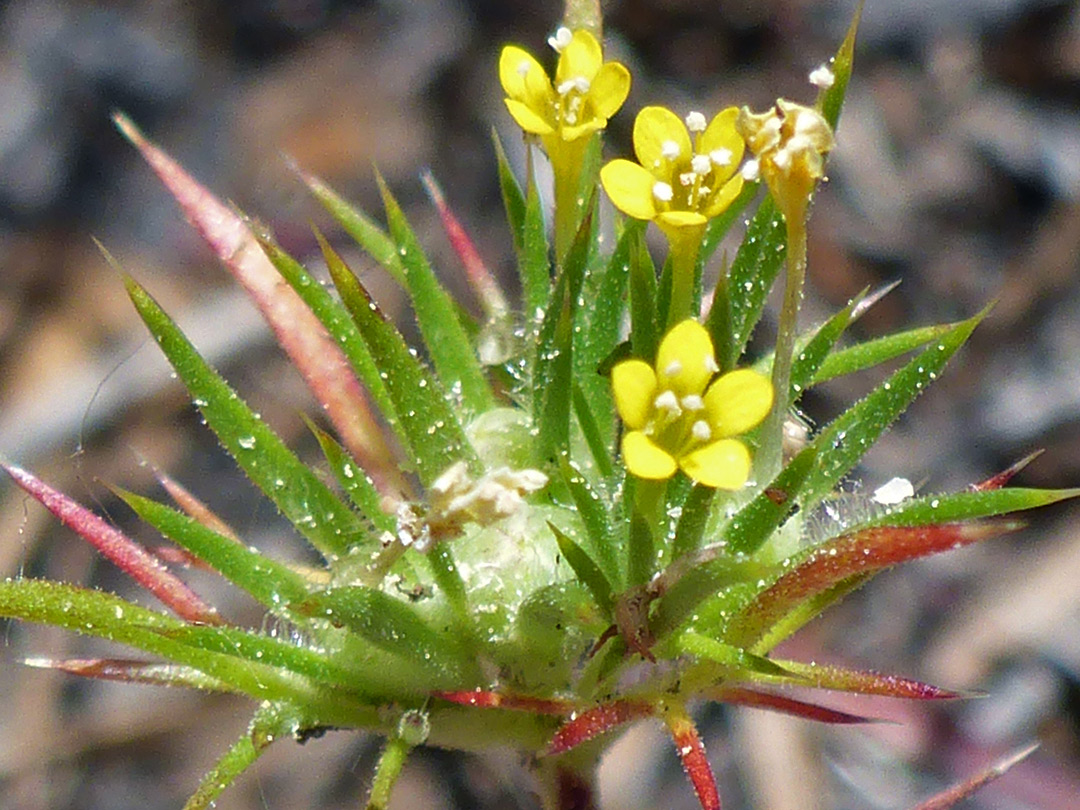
[{"x": 571, "y": 100}]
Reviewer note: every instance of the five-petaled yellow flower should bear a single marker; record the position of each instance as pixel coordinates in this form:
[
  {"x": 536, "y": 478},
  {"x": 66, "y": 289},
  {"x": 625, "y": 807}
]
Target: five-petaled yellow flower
[
  {"x": 790, "y": 142},
  {"x": 687, "y": 173},
  {"x": 679, "y": 417},
  {"x": 586, "y": 93}
]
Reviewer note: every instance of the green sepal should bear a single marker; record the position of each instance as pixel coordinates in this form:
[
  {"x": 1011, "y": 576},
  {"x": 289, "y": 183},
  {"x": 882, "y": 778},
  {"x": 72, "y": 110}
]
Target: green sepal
[
  {"x": 434, "y": 437},
  {"x": 428, "y": 644},
  {"x": 587, "y": 571},
  {"x": 269, "y": 582},
  {"x": 316, "y": 512},
  {"x": 512, "y": 195},
  {"x": 874, "y": 352},
  {"x": 367, "y": 233},
  {"x": 848, "y": 437},
  {"x": 446, "y": 338},
  {"x": 352, "y": 479}
]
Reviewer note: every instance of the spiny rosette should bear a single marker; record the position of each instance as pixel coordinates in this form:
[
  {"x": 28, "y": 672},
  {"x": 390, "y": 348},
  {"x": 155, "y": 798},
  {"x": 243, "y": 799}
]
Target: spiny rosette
[
  {"x": 790, "y": 142},
  {"x": 587, "y": 90},
  {"x": 687, "y": 173},
  {"x": 680, "y": 417}
]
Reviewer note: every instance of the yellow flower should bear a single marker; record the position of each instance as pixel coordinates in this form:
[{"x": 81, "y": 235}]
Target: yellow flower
[
  {"x": 586, "y": 93},
  {"x": 678, "y": 419},
  {"x": 686, "y": 174},
  {"x": 789, "y": 142}
]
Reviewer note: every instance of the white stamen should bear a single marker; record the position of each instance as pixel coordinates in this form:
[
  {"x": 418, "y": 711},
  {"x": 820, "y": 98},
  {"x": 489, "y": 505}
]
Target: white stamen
[
  {"x": 710, "y": 364},
  {"x": 703, "y": 192},
  {"x": 695, "y": 122},
  {"x": 663, "y": 192},
  {"x": 721, "y": 157},
  {"x": 673, "y": 368},
  {"x": 570, "y": 117},
  {"x": 687, "y": 178},
  {"x": 798, "y": 143},
  {"x": 565, "y": 87},
  {"x": 667, "y": 402},
  {"x": 581, "y": 84},
  {"x": 561, "y": 39},
  {"x": 822, "y": 77},
  {"x": 751, "y": 171},
  {"x": 523, "y": 68},
  {"x": 701, "y": 431},
  {"x": 782, "y": 159},
  {"x": 670, "y": 149},
  {"x": 893, "y": 491},
  {"x": 701, "y": 164},
  {"x": 692, "y": 402}
]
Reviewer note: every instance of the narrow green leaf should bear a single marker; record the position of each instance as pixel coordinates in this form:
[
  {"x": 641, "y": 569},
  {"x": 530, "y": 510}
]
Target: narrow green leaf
[
  {"x": 599, "y": 447},
  {"x": 850, "y": 435},
  {"x": 426, "y": 643},
  {"x": 694, "y": 515},
  {"x": 719, "y": 226},
  {"x": 534, "y": 267},
  {"x": 755, "y": 523},
  {"x": 641, "y": 550},
  {"x": 353, "y": 481},
  {"x": 733, "y": 659},
  {"x": 271, "y": 583},
  {"x": 950, "y": 508},
  {"x": 448, "y": 580},
  {"x": 433, "y": 434},
  {"x": 444, "y": 335},
  {"x": 874, "y": 352},
  {"x": 302, "y": 497},
  {"x": 643, "y": 318},
  {"x": 596, "y": 516},
  {"x": 815, "y": 351},
  {"x": 587, "y": 571},
  {"x": 831, "y": 99},
  {"x": 512, "y": 195},
  {"x": 753, "y": 270},
  {"x": 362, "y": 228}
]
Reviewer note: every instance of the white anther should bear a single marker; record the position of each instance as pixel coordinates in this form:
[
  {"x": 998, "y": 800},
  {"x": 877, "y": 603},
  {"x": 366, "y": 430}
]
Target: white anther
[
  {"x": 670, "y": 149},
  {"x": 581, "y": 84},
  {"x": 561, "y": 39},
  {"x": 822, "y": 77},
  {"x": 565, "y": 87},
  {"x": 570, "y": 117},
  {"x": 695, "y": 122},
  {"x": 687, "y": 178},
  {"x": 667, "y": 402},
  {"x": 782, "y": 159},
  {"x": 701, "y": 430},
  {"x": 799, "y": 143},
  {"x": 703, "y": 191},
  {"x": 701, "y": 164},
  {"x": 692, "y": 402},
  {"x": 662, "y": 192},
  {"x": 721, "y": 157},
  {"x": 523, "y": 68},
  {"x": 673, "y": 368},
  {"x": 710, "y": 364},
  {"x": 751, "y": 171}
]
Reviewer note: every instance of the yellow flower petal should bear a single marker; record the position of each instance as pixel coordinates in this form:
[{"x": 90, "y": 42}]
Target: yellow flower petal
[
  {"x": 609, "y": 89},
  {"x": 724, "y": 464},
  {"x": 519, "y": 73},
  {"x": 525, "y": 118},
  {"x": 653, "y": 127},
  {"x": 645, "y": 459},
  {"x": 686, "y": 359},
  {"x": 630, "y": 188},
  {"x": 737, "y": 402},
  {"x": 721, "y": 134},
  {"x": 634, "y": 384},
  {"x": 582, "y": 57},
  {"x": 722, "y": 197}
]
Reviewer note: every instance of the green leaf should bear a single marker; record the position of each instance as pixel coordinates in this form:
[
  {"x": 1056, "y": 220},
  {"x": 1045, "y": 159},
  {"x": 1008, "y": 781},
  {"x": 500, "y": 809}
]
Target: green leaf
[
  {"x": 753, "y": 270},
  {"x": 815, "y": 351},
  {"x": 751, "y": 526},
  {"x": 599, "y": 447},
  {"x": 433, "y": 434},
  {"x": 831, "y": 99},
  {"x": 874, "y": 352},
  {"x": 444, "y": 335},
  {"x": 512, "y": 195},
  {"x": 733, "y": 659},
  {"x": 719, "y": 226},
  {"x": 694, "y": 515},
  {"x": 534, "y": 268},
  {"x": 302, "y": 497},
  {"x": 334, "y": 317},
  {"x": 365, "y": 230},
  {"x": 271, "y": 583},
  {"x": 850, "y": 435},
  {"x": 587, "y": 571},
  {"x": 353, "y": 481},
  {"x": 643, "y": 321},
  {"x": 950, "y": 508},
  {"x": 428, "y": 644},
  {"x": 597, "y": 518}
]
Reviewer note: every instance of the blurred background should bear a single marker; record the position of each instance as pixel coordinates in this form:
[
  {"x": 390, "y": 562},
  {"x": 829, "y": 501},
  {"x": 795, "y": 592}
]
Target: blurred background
[{"x": 957, "y": 173}]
